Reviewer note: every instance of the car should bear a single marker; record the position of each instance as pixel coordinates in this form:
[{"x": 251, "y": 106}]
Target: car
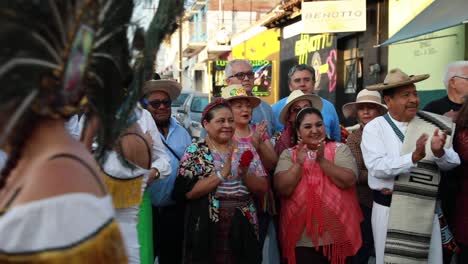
[
  {"x": 177, "y": 103},
  {"x": 189, "y": 114}
]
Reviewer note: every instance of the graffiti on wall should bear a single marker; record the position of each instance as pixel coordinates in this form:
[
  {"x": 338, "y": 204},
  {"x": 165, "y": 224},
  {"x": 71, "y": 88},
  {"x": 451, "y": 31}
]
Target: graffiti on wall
[{"x": 319, "y": 51}]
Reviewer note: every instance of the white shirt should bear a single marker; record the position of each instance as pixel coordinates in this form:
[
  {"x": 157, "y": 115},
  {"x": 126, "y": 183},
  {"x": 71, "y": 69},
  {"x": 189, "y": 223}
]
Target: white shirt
[
  {"x": 65, "y": 220},
  {"x": 381, "y": 152},
  {"x": 73, "y": 127},
  {"x": 160, "y": 159}
]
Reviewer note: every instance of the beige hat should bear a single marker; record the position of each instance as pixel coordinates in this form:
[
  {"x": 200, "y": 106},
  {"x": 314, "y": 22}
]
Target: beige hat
[
  {"x": 364, "y": 97},
  {"x": 298, "y": 95},
  {"x": 236, "y": 91},
  {"x": 172, "y": 88},
  {"x": 397, "y": 78}
]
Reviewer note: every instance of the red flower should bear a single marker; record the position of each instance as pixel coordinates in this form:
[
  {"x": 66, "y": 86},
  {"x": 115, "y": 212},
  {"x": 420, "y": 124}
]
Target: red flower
[{"x": 246, "y": 158}]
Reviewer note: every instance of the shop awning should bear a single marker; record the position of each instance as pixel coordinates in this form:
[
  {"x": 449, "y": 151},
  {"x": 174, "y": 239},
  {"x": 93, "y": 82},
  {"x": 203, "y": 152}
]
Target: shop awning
[{"x": 441, "y": 14}]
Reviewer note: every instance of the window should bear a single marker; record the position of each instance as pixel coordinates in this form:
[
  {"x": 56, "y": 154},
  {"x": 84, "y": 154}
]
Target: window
[
  {"x": 198, "y": 104},
  {"x": 180, "y": 100},
  {"x": 198, "y": 26}
]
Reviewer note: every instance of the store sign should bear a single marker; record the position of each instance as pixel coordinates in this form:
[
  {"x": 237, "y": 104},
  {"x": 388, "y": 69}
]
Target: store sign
[{"x": 334, "y": 16}]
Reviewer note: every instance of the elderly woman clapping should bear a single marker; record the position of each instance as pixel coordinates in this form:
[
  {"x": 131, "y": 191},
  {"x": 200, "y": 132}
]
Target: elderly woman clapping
[{"x": 216, "y": 179}]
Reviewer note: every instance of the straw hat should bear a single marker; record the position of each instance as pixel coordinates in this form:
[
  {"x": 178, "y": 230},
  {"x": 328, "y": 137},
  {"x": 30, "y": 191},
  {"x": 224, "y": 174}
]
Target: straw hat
[
  {"x": 364, "y": 97},
  {"x": 236, "y": 91},
  {"x": 397, "y": 78},
  {"x": 172, "y": 88},
  {"x": 298, "y": 95}
]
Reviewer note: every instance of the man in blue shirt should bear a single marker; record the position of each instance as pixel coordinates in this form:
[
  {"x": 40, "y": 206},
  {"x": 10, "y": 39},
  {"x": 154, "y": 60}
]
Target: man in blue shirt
[
  {"x": 241, "y": 72},
  {"x": 302, "y": 77},
  {"x": 169, "y": 216}
]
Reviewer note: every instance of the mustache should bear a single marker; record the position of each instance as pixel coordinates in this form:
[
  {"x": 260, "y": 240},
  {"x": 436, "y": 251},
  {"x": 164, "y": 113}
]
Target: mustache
[{"x": 412, "y": 105}]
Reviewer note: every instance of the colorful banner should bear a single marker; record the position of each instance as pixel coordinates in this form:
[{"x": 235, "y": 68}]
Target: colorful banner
[
  {"x": 318, "y": 51},
  {"x": 262, "y": 81}
]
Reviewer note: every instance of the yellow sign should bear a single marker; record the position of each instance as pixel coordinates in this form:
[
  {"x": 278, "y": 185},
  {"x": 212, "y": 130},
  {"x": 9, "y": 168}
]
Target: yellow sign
[
  {"x": 334, "y": 16},
  {"x": 308, "y": 44}
]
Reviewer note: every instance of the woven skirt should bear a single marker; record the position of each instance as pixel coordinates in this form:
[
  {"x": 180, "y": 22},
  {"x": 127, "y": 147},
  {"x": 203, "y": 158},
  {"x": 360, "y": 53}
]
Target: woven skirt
[{"x": 227, "y": 209}]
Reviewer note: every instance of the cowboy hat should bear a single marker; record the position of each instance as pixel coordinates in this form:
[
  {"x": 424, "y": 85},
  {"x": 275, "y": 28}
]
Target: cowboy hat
[
  {"x": 236, "y": 91},
  {"x": 397, "y": 78},
  {"x": 172, "y": 88},
  {"x": 298, "y": 95},
  {"x": 364, "y": 97}
]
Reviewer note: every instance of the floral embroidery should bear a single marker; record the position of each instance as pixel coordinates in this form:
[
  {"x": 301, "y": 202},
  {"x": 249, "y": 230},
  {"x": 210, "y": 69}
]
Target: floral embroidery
[
  {"x": 208, "y": 157},
  {"x": 249, "y": 211},
  {"x": 197, "y": 163},
  {"x": 192, "y": 148}
]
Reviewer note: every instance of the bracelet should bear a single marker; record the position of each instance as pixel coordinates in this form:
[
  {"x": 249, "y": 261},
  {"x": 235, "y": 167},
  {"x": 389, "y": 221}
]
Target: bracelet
[{"x": 220, "y": 176}]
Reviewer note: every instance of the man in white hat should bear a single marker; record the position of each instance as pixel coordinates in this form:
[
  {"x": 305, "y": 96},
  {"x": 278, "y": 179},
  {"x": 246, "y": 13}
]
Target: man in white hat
[
  {"x": 157, "y": 97},
  {"x": 241, "y": 72},
  {"x": 368, "y": 105},
  {"x": 403, "y": 151},
  {"x": 302, "y": 77}
]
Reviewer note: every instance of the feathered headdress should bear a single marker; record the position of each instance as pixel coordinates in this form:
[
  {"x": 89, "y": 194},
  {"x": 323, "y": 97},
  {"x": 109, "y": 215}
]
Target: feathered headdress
[
  {"x": 114, "y": 112},
  {"x": 45, "y": 49},
  {"x": 54, "y": 53}
]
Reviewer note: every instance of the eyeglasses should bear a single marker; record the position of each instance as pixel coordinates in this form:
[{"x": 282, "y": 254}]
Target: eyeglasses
[
  {"x": 241, "y": 75},
  {"x": 157, "y": 103},
  {"x": 461, "y": 77}
]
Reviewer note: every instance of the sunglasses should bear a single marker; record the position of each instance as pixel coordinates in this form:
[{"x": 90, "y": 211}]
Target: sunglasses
[
  {"x": 241, "y": 75},
  {"x": 157, "y": 103}
]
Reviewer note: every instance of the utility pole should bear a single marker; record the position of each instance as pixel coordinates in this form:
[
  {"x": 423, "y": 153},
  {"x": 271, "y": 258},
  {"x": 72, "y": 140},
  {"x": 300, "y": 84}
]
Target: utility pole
[{"x": 180, "y": 50}]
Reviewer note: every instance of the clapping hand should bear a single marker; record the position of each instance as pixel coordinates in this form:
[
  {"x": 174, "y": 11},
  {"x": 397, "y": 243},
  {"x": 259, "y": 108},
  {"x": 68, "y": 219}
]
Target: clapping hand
[
  {"x": 438, "y": 142},
  {"x": 259, "y": 133},
  {"x": 321, "y": 150},
  {"x": 226, "y": 169},
  {"x": 302, "y": 153},
  {"x": 420, "y": 152}
]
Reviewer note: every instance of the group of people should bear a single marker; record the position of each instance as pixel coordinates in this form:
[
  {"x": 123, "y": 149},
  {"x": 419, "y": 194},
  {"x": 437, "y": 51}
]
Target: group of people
[
  {"x": 303, "y": 197},
  {"x": 98, "y": 171}
]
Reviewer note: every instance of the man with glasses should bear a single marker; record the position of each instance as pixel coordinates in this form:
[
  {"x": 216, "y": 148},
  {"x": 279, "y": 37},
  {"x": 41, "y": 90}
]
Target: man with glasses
[
  {"x": 456, "y": 83},
  {"x": 168, "y": 216},
  {"x": 241, "y": 72},
  {"x": 302, "y": 77}
]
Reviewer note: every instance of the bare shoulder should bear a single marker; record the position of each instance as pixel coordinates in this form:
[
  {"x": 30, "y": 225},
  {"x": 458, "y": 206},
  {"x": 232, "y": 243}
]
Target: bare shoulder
[
  {"x": 136, "y": 149},
  {"x": 66, "y": 172}
]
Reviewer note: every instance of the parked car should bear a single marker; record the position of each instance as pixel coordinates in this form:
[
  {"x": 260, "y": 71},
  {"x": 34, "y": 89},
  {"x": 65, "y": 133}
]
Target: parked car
[
  {"x": 177, "y": 103},
  {"x": 189, "y": 114}
]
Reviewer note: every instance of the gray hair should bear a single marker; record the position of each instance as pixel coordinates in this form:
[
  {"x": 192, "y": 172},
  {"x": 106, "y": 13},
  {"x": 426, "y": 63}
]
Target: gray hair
[
  {"x": 454, "y": 68},
  {"x": 228, "y": 69},
  {"x": 301, "y": 67}
]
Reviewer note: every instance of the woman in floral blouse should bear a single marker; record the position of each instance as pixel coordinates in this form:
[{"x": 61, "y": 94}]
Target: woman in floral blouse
[{"x": 221, "y": 221}]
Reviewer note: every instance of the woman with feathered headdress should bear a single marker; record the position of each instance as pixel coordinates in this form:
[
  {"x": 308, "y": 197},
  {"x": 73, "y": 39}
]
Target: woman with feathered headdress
[{"x": 54, "y": 207}]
